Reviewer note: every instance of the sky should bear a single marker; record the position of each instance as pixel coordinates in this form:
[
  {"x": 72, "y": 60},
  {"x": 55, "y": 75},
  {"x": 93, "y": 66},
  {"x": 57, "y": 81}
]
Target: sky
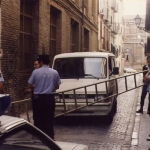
[{"x": 134, "y": 7}]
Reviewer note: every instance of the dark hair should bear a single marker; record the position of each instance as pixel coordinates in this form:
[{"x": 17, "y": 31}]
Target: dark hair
[
  {"x": 44, "y": 58},
  {"x": 37, "y": 59},
  {"x": 45, "y": 61}
]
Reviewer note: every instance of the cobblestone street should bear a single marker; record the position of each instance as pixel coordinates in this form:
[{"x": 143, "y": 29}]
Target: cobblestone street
[{"x": 99, "y": 136}]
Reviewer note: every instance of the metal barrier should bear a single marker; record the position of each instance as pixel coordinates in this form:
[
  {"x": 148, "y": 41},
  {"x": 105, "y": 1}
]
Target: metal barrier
[
  {"x": 96, "y": 92},
  {"x": 26, "y": 106},
  {"x": 85, "y": 89}
]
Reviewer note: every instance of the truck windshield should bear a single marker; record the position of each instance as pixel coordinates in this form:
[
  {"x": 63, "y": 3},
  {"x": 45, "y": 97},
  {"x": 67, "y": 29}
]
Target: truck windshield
[{"x": 81, "y": 67}]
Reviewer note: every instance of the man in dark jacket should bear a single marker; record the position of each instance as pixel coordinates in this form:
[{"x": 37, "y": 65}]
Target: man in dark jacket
[{"x": 144, "y": 89}]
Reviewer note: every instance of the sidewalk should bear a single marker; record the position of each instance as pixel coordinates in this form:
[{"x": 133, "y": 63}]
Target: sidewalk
[{"x": 141, "y": 130}]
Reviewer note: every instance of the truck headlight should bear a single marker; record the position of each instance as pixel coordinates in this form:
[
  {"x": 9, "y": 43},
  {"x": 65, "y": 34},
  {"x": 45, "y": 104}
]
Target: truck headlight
[
  {"x": 57, "y": 99},
  {"x": 99, "y": 97}
]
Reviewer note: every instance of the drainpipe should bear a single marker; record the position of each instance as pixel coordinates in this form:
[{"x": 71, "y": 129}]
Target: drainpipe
[
  {"x": 1, "y": 51},
  {"x": 82, "y": 28},
  {"x": 147, "y": 21}
]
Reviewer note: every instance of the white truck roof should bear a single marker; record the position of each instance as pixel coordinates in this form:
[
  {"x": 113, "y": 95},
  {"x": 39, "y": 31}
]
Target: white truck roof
[{"x": 84, "y": 54}]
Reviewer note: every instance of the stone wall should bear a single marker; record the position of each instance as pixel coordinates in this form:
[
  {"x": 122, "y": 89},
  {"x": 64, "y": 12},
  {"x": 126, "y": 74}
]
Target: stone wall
[{"x": 16, "y": 78}]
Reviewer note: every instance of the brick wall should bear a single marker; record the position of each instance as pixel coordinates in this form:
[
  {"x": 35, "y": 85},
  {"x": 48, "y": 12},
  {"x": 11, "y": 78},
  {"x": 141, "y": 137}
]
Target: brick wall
[
  {"x": 90, "y": 23},
  {"x": 10, "y": 42},
  {"x": 15, "y": 80},
  {"x": 44, "y": 26}
]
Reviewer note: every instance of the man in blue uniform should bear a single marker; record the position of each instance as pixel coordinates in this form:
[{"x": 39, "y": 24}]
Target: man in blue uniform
[{"x": 45, "y": 82}]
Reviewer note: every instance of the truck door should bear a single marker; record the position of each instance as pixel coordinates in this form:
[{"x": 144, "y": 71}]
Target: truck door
[{"x": 111, "y": 63}]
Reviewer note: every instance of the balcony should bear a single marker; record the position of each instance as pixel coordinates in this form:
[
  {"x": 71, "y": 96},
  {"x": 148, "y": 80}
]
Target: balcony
[
  {"x": 114, "y": 6},
  {"x": 107, "y": 19},
  {"x": 115, "y": 29}
]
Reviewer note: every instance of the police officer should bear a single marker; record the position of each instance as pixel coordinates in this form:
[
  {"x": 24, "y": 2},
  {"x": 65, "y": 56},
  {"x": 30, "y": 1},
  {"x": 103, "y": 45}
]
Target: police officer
[{"x": 45, "y": 81}]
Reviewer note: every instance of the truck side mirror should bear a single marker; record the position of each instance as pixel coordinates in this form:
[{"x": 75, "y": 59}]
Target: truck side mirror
[{"x": 115, "y": 70}]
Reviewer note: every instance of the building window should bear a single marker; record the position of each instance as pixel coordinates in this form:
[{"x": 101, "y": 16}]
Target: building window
[
  {"x": 86, "y": 8},
  {"x": 26, "y": 38},
  {"x": 55, "y": 32},
  {"x": 86, "y": 40},
  {"x": 74, "y": 36},
  {"x": 93, "y": 10},
  {"x": 103, "y": 43}
]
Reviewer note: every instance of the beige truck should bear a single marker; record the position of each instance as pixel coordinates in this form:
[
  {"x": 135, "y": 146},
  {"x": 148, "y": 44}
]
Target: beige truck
[{"x": 81, "y": 69}]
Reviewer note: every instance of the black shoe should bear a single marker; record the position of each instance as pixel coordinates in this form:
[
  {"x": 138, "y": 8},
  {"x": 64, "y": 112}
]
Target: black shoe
[
  {"x": 148, "y": 139},
  {"x": 148, "y": 112},
  {"x": 139, "y": 111}
]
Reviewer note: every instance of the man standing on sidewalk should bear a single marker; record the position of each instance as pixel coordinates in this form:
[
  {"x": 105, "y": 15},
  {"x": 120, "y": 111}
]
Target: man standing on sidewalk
[
  {"x": 36, "y": 63},
  {"x": 45, "y": 81},
  {"x": 144, "y": 88}
]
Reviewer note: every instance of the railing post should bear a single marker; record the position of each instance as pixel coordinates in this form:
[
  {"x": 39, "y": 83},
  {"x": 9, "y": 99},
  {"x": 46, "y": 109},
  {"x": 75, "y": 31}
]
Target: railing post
[
  {"x": 26, "y": 105},
  {"x": 86, "y": 96},
  {"x": 126, "y": 83},
  {"x": 64, "y": 102},
  {"x": 135, "y": 80},
  {"x": 75, "y": 100},
  {"x": 96, "y": 92}
]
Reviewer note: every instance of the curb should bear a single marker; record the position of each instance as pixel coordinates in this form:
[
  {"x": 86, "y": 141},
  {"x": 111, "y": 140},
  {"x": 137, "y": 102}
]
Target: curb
[{"x": 136, "y": 128}]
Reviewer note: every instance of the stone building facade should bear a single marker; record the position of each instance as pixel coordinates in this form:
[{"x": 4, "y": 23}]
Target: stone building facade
[
  {"x": 111, "y": 29},
  {"x": 134, "y": 39},
  {"x": 33, "y": 27}
]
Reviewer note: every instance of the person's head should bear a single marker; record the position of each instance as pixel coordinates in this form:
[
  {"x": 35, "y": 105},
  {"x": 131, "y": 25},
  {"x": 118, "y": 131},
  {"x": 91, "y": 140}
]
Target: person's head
[
  {"x": 44, "y": 59},
  {"x": 36, "y": 63}
]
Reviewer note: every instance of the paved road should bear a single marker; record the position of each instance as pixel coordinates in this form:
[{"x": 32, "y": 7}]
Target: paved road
[{"x": 98, "y": 135}]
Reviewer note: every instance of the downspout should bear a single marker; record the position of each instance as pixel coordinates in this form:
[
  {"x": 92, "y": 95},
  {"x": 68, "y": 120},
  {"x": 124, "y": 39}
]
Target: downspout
[
  {"x": 1, "y": 50},
  {"x": 82, "y": 28}
]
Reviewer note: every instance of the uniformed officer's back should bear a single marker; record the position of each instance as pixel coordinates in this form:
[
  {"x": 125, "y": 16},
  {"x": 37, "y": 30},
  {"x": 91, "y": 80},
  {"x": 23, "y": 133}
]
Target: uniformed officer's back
[{"x": 45, "y": 80}]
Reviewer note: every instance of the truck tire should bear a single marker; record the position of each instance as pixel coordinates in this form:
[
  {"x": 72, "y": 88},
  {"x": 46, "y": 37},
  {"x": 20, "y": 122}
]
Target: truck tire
[
  {"x": 115, "y": 104},
  {"x": 109, "y": 117}
]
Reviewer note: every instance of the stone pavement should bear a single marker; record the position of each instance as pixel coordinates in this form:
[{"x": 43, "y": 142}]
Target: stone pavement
[{"x": 141, "y": 130}]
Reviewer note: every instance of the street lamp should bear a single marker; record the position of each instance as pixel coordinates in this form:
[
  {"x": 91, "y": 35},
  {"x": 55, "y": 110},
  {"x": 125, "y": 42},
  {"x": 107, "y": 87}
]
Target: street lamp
[{"x": 137, "y": 20}]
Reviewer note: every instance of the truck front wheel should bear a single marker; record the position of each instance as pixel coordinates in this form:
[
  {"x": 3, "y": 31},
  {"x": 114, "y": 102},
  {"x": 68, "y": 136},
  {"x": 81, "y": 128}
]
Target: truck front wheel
[
  {"x": 115, "y": 104},
  {"x": 109, "y": 117}
]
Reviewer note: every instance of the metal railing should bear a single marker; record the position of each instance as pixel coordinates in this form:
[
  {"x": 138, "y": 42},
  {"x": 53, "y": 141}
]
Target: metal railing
[
  {"x": 87, "y": 103},
  {"x": 25, "y": 101},
  {"x": 96, "y": 92}
]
